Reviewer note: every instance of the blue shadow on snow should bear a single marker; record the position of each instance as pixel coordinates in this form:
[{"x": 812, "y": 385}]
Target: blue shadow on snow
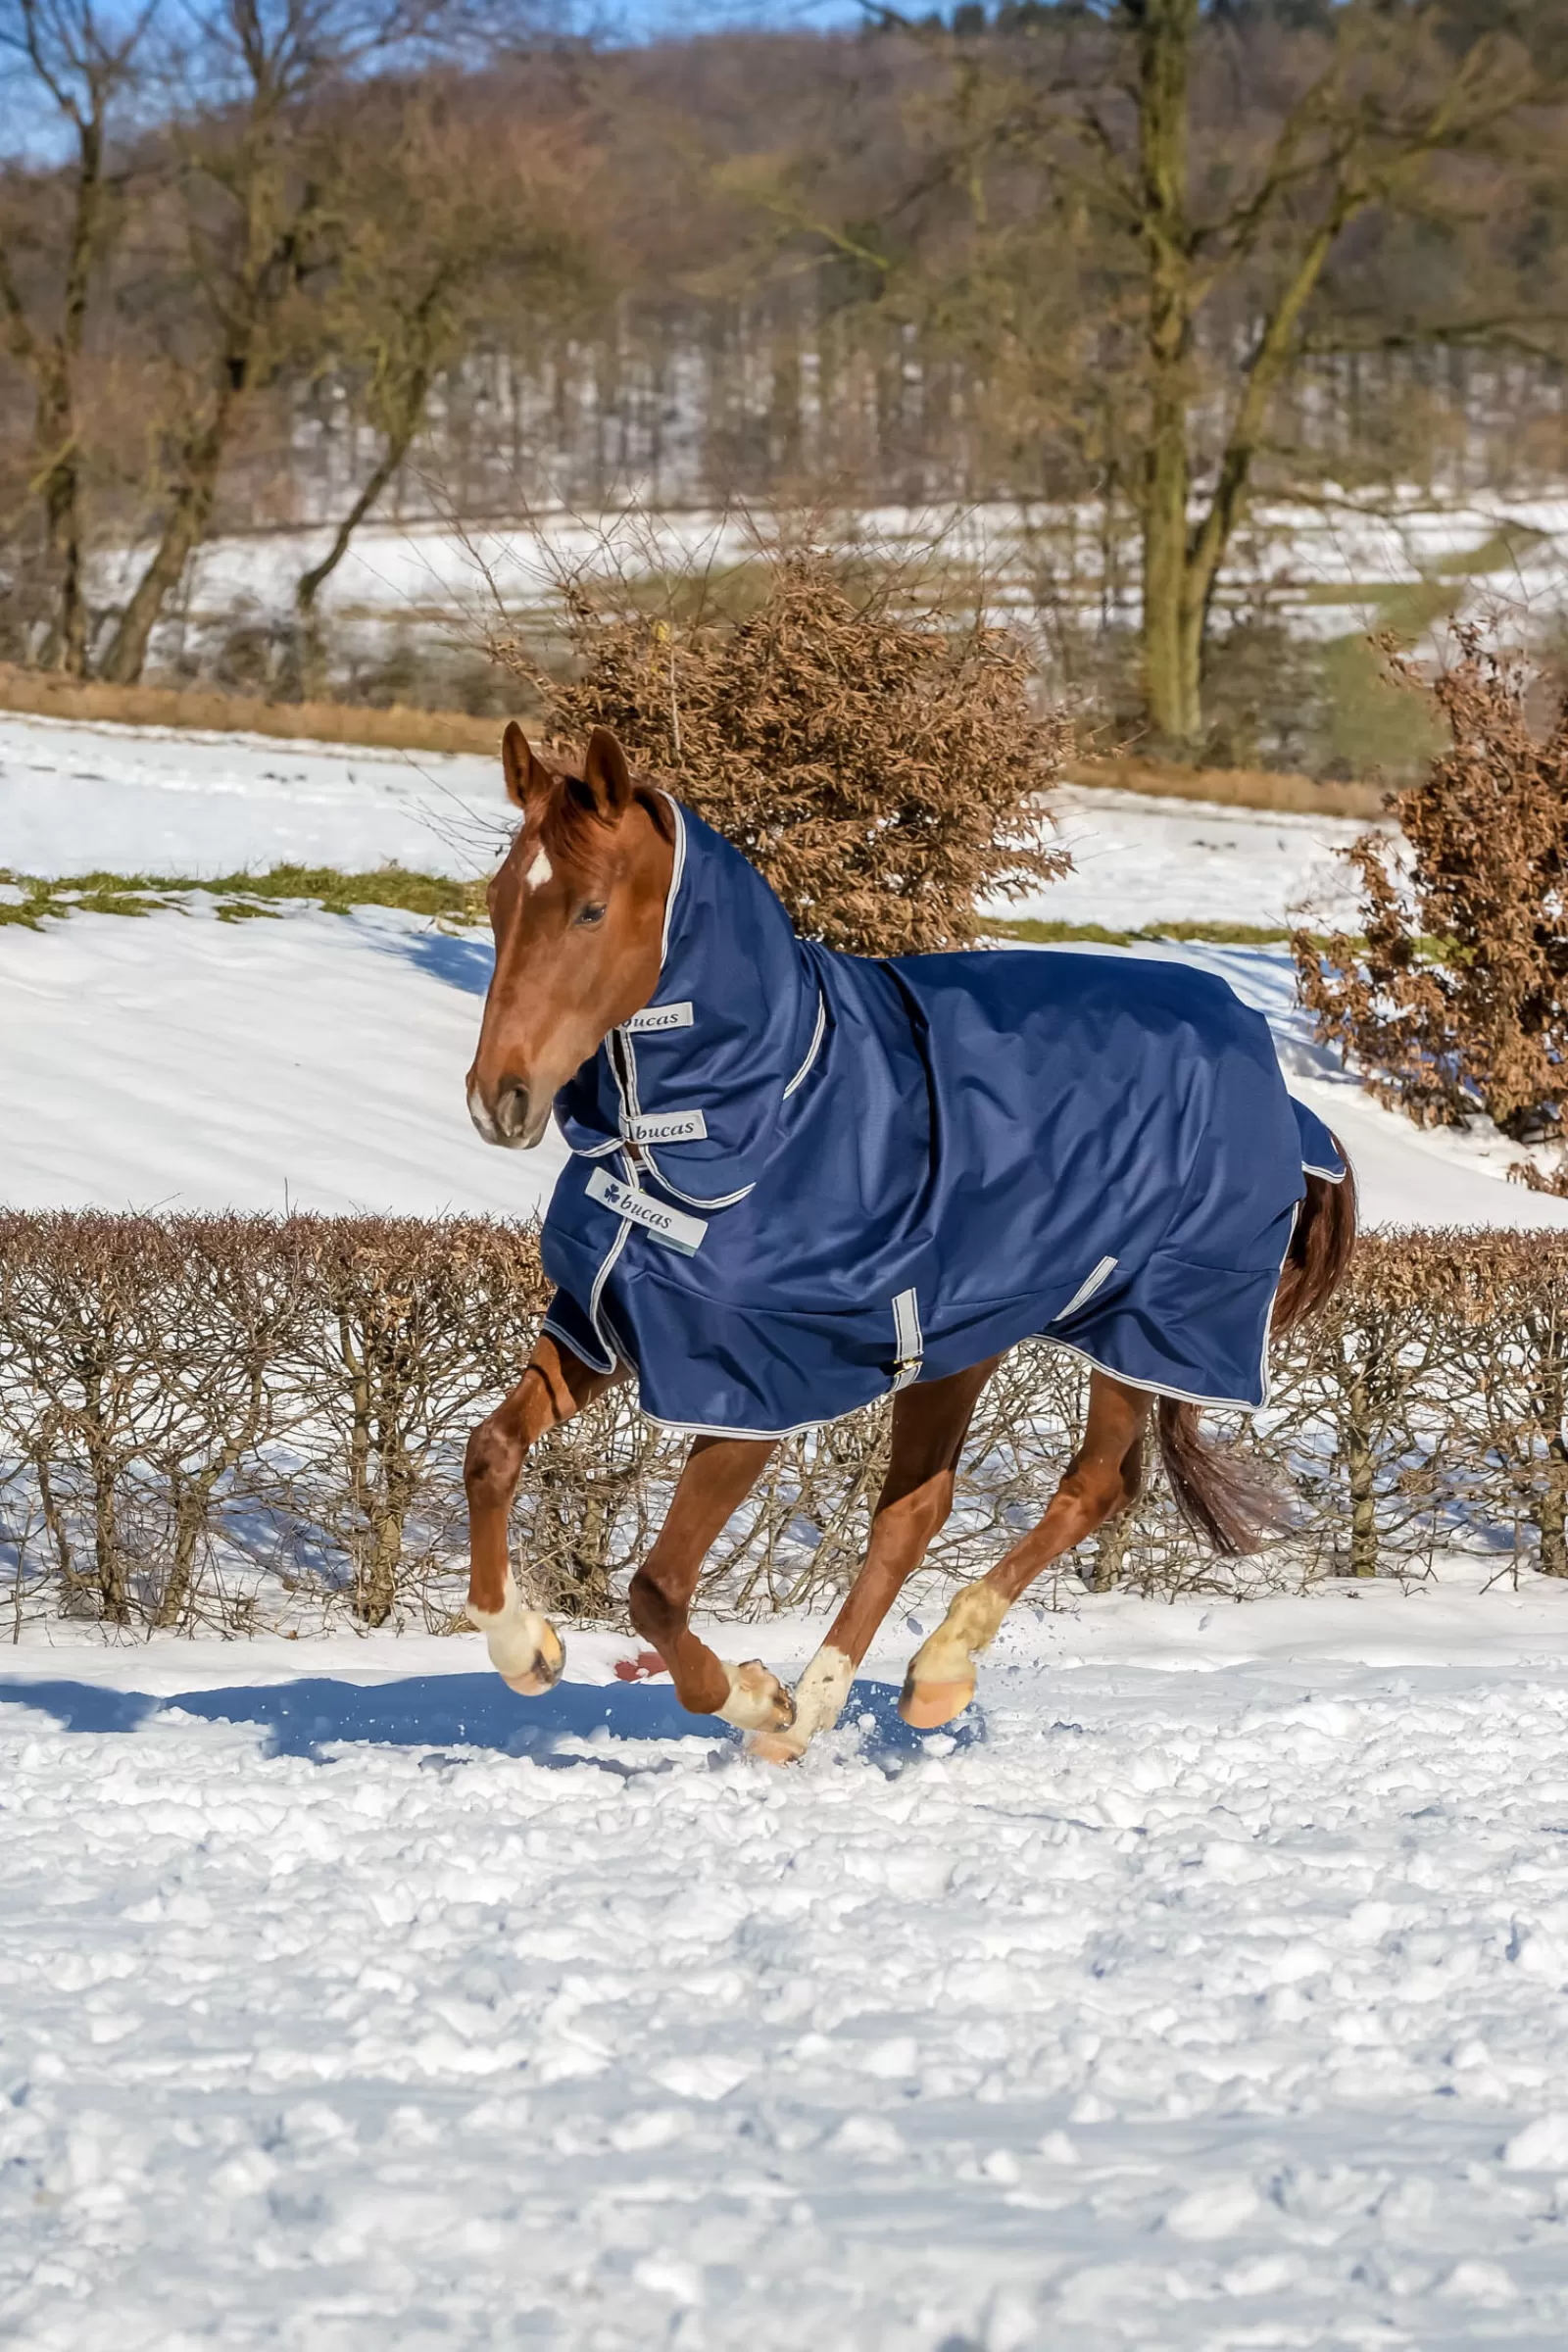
[
  {"x": 304, "y": 1718},
  {"x": 464, "y": 963}
]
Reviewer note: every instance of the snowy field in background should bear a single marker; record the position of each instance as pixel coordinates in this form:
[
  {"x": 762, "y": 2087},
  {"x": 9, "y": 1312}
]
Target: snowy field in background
[
  {"x": 1208, "y": 1994},
  {"x": 186, "y": 1062},
  {"x": 170, "y": 801},
  {"x": 419, "y": 574}
]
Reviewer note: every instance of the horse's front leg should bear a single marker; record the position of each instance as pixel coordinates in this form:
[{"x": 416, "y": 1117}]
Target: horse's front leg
[
  {"x": 1103, "y": 1477},
  {"x": 525, "y": 1647},
  {"x": 719, "y": 1474},
  {"x": 930, "y": 1423}
]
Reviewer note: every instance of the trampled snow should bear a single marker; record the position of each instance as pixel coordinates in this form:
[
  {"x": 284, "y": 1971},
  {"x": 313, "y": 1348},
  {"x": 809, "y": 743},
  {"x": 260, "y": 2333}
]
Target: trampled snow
[{"x": 1208, "y": 1990}]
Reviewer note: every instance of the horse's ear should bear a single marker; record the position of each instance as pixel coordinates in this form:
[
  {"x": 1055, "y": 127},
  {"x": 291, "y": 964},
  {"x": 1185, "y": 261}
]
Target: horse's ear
[
  {"x": 527, "y": 778},
  {"x": 606, "y": 776}
]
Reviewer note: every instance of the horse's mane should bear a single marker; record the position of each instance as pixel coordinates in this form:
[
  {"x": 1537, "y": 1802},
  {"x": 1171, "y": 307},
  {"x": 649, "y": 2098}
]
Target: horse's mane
[{"x": 572, "y": 831}]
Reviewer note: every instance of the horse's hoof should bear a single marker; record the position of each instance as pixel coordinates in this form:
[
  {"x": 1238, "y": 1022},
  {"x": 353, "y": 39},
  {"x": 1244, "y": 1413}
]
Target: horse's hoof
[
  {"x": 927, "y": 1707},
  {"x": 775, "y": 1747},
  {"x": 547, "y": 1668},
  {"x": 758, "y": 1700}
]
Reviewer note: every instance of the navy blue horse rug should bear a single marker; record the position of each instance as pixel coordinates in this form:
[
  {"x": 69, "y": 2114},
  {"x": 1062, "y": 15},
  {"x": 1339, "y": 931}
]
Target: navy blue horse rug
[{"x": 801, "y": 1179}]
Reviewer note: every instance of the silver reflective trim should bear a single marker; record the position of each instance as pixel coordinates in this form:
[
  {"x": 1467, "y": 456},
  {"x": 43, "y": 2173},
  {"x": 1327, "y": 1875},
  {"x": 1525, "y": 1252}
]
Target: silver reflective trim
[
  {"x": 1086, "y": 1288},
  {"x": 908, "y": 1338},
  {"x": 813, "y": 1049}
]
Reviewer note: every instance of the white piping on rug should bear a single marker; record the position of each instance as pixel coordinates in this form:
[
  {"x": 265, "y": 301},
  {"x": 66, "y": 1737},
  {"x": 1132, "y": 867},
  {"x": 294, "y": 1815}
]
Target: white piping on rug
[
  {"x": 677, "y": 872},
  {"x": 574, "y": 1345},
  {"x": 605, "y": 1269},
  {"x": 813, "y": 1049},
  {"x": 1091, "y": 1282}
]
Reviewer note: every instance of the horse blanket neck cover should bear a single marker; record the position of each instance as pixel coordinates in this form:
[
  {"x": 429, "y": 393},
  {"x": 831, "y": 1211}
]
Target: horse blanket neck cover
[{"x": 801, "y": 1179}]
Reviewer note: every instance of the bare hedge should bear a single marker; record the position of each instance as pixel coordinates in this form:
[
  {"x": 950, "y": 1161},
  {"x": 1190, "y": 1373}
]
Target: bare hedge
[{"x": 231, "y": 1422}]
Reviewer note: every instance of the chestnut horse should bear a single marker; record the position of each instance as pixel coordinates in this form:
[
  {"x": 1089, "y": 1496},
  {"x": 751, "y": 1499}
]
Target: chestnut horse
[{"x": 578, "y": 911}]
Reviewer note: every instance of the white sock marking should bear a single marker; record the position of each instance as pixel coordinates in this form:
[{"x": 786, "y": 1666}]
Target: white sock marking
[
  {"x": 822, "y": 1690},
  {"x": 512, "y": 1633}
]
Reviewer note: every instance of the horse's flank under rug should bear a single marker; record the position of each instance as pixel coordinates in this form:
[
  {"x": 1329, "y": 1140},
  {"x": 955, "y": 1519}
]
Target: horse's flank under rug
[{"x": 801, "y": 1180}]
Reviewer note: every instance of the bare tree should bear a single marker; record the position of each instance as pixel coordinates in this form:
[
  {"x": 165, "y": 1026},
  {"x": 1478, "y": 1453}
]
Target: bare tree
[
  {"x": 250, "y": 166},
  {"x": 69, "y": 56},
  {"x": 442, "y": 214},
  {"x": 1153, "y": 194}
]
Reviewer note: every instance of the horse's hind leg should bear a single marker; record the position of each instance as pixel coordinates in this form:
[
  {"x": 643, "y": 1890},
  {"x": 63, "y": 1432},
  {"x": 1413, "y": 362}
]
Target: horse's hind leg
[
  {"x": 524, "y": 1646},
  {"x": 929, "y": 1426},
  {"x": 1101, "y": 1478},
  {"x": 719, "y": 1474}
]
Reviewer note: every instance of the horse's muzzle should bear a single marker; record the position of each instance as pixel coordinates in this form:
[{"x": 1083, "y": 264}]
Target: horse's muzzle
[{"x": 515, "y": 1123}]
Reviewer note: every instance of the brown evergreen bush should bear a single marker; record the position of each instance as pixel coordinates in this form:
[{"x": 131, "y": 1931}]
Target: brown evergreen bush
[
  {"x": 883, "y": 771},
  {"x": 1457, "y": 1002}
]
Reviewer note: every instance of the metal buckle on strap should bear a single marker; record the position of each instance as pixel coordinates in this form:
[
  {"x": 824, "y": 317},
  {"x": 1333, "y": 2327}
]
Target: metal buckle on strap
[{"x": 908, "y": 1339}]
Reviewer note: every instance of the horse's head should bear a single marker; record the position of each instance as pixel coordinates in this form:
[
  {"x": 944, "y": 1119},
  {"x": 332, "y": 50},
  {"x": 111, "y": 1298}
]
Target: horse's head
[{"x": 578, "y": 914}]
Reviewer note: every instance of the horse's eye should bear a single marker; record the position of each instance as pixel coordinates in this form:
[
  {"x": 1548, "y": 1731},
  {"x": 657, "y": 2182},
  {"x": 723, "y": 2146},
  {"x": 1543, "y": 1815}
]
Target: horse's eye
[{"x": 590, "y": 914}]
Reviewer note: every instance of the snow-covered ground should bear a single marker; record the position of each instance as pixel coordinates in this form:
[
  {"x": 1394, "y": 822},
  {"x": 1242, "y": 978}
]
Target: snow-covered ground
[
  {"x": 168, "y": 801},
  {"x": 317, "y": 1060},
  {"x": 185, "y": 1062},
  {"x": 1211, "y": 1991},
  {"x": 1138, "y": 861},
  {"x": 75, "y": 799}
]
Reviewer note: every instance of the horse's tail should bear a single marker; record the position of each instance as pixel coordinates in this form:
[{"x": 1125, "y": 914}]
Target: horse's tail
[
  {"x": 1320, "y": 1249},
  {"x": 1221, "y": 1496}
]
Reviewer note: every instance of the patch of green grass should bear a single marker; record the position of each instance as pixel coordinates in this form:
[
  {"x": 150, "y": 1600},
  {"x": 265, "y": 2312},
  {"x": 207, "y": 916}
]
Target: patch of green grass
[
  {"x": 1036, "y": 934},
  {"x": 29, "y": 900},
  {"x": 1029, "y": 932}
]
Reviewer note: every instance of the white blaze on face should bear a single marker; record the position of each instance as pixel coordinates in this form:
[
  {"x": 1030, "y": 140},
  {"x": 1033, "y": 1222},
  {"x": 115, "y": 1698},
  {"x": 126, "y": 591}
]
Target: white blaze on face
[{"x": 539, "y": 872}]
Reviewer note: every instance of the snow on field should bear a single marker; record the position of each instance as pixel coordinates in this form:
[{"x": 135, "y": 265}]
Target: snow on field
[
  {"x": 186, "y": 1061},
  {"x": 414, "y": 572},
  {"x": 75, "y": 799},
  {"x": 1138, "y": 861},
  {"x": 1207, "y": 1992},
  {"x": 166, "y": 801}
]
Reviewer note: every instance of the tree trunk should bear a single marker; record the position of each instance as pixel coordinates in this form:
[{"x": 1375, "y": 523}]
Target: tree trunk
[
  {"x": 1166, "y": 33},
  {"x": 183, "y": 532},
  {"x": 65, "y": 648},
  {"x": 310, "y": 652},
  {"x": 265, "y": 274},
  {"x": 1361, "y": 1465},
  {"x": 1550, "y": 1401}
]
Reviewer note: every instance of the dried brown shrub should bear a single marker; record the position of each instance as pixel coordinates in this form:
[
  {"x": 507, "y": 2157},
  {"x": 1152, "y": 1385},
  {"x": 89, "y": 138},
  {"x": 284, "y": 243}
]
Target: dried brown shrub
[
  {"x": 883, "y": 770},
  {"x": 1457, "y": 1003},
  {"x": 233, "y": 1421}
]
